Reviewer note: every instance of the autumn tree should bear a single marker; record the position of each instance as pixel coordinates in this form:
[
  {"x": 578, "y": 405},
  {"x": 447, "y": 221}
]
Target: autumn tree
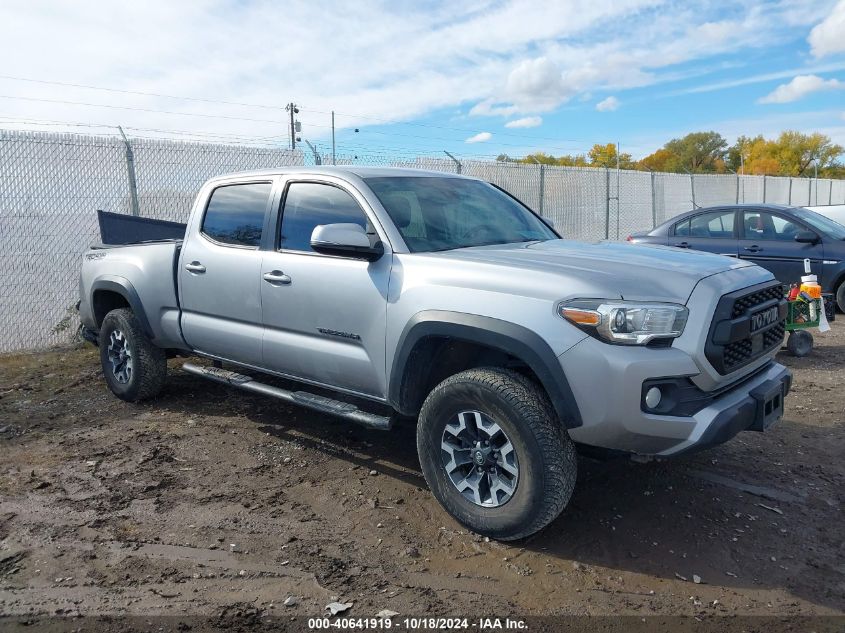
[
  {"x": 605, "y": 156},
  {"x": 699, "y": 151},
  {"x": 795, "y": 152},
  {"x": 791, "y": 154},
  {"x": 661, "y": 160},
  {"x": 567, "y": 160}
]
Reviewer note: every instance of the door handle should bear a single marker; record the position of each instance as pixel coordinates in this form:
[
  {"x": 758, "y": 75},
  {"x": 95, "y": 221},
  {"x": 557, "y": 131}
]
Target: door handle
[
  {"x": 753, "y": 248},
  {"x": 682, "y": 245},
  {"x": 195, "y": 267},
  {"x": 277, "y": 277}
]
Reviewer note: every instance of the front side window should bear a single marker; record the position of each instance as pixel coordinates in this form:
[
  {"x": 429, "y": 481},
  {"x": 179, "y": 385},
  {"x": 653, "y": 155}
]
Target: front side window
[
  {"x": 436, "y": 214},
  {"x": 760, "y": 225},
  {"x": 235, "y": 214},
  {"x": 308, "y": 205},
  {"x": 821, "y": 223}
]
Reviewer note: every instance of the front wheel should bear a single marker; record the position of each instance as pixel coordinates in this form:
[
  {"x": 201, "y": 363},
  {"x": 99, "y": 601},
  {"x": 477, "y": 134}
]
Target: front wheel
[
  {"x": 134, "y": 368},
  {"x": 840, "y": 297},
  {"x": 494, "y": 453}
]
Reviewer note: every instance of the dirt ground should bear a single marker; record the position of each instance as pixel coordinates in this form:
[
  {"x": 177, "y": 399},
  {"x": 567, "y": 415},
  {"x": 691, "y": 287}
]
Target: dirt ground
[{"x": 212, "y": 502}]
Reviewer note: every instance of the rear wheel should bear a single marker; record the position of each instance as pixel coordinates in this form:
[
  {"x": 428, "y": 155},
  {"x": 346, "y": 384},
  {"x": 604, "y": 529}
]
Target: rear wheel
[
  {"x": 495, "y": 454},
  {"x": 133, "y": 367},
  {"x": 840, "y": 297}
]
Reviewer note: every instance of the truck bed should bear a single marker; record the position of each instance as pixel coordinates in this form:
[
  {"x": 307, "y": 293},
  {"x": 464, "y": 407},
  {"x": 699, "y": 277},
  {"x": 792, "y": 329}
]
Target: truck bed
[{"x": 118, "y": 228}]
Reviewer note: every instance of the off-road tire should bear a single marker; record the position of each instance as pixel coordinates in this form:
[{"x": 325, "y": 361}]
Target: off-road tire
[
  {"x": 546, "y": 455},
  {"x": 149, "y": 363}
]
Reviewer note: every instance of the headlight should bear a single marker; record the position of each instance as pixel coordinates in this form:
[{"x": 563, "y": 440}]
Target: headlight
[{"x": 625, "y": 322}]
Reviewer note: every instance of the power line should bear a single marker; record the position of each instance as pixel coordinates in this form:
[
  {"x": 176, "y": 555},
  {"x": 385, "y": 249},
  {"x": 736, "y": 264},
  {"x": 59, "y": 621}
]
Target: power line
[
  {"x": 140, "y": 93},
  {"x": 234, "y": 118},
  {"x": 137, "y": 109},
  {"x": 442, "y": 127},
  {"x": 266, "y": 107},
  {"x": 111, "y": 126}
]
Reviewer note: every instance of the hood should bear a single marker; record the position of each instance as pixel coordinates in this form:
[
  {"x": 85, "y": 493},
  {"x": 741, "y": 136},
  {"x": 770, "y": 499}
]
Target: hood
[{"x": 641, "y": 272}]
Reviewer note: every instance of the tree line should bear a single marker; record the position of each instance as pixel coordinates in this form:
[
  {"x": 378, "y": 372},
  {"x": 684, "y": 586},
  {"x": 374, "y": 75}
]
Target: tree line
[{"x": 790, "y": 154}]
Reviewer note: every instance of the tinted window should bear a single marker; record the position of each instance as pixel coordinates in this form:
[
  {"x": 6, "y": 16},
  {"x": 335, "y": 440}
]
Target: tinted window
[
  {"x": 308, "y": 205},
  {"x": 435, "y": 214},
  {"x": 716, "y": 224},
  {"x": 760, "y": 225},
  {"x": 682, "y": 228},
  {"x": 235, "y": 214}
]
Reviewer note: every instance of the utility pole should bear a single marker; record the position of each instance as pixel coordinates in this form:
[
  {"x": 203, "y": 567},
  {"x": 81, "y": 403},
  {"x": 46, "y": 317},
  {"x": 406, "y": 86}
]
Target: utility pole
[
  {"x": 334, "y": 159},
  {"x": 291, "y": 107}
]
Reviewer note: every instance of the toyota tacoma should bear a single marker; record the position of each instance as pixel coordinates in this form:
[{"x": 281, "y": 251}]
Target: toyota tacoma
[{"x": 388, "y": 293}]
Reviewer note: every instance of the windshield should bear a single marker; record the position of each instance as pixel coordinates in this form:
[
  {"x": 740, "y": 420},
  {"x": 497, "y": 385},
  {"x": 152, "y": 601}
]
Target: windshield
[
  {"x": 436, "y": 214},
  {"x": 821, "y": 223}
]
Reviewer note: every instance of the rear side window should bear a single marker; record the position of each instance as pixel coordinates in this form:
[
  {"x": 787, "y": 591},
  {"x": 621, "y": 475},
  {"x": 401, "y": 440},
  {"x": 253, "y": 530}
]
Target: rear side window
[
  {"x": 235, "y": 214},
  {"x": 716, "y": 224},
  {"x": 308, "y": 205}
]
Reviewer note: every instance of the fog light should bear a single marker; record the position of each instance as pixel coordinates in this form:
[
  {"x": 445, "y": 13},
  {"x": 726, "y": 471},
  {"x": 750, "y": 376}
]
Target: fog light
[{"x": 652, "y": 397}]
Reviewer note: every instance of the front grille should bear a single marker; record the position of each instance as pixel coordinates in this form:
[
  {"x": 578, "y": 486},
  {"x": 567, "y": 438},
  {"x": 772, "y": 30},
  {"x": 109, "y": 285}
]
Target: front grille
[
  {"x": 737, "y": 354},
  {"x": 756, "y": 298},
  {"x": 731, "y": 345}
]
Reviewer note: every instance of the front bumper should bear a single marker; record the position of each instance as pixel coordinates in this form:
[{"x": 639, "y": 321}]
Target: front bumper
[{"x": 608, "y": 388}]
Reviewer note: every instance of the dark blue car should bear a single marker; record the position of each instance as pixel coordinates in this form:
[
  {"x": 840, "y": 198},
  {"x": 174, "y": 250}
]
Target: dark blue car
[{"x": 777, "y": 238}]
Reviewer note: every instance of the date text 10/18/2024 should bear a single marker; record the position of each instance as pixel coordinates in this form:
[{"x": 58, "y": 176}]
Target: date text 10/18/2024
[{"x": 418, "y": 623}]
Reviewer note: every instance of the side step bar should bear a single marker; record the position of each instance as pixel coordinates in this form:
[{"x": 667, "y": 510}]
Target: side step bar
[{"x": 343, "y": 410}]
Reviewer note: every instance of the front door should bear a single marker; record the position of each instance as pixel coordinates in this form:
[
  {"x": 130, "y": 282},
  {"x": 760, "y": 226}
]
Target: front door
[
  {"x": 769, "y": 240},
  {"x": 220, "y": 274},
  {"x": 324, "y": 316}
]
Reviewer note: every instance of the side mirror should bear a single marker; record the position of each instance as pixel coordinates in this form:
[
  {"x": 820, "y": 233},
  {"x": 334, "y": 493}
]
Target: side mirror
[
  {"x": 345, "y": 240},
  {"x": 548, "y": 222},
  {"x": 806, "y": 237}
]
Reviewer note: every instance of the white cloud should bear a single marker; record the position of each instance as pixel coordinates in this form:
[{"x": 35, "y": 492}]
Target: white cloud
[
  {"x": 800, "y": 87},
  {"x": 489, "y": 107},
  {"x": 755, "y": 79},
  {"x": 536, "y": 85},
  {"x": 529, "y": 121},
  {"x": 608, "y": 105},
  {"x": 481, "y": 137},
  {"x": 828, "y": 37},
  {"x": 504, "y": 58}
]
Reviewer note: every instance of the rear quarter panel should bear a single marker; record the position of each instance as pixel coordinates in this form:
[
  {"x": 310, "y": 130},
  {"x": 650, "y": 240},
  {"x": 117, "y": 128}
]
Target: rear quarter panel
[{"x": 145, "y": 271}]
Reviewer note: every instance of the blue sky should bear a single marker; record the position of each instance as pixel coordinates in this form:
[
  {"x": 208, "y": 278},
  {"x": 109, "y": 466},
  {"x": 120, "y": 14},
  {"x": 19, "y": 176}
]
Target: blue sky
[{"x": 476, "y": 78}]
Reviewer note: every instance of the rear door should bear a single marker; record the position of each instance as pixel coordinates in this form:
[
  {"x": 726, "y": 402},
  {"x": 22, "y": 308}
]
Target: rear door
[
  {"x": 711, "y": 231},
  {"x": 220, "y": 273},
  {"x": 324, "y": 315},
  {"x": 768, "y": 239}
]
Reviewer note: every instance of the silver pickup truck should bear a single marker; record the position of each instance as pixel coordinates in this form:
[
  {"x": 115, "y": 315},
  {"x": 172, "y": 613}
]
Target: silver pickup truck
[{"x": 444, "y": 299}]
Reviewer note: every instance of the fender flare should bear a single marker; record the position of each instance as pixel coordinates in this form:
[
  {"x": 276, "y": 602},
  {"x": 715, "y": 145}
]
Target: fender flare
[
  {"x": 504, "y": 336},
  {"x": 123, "y": 287}
]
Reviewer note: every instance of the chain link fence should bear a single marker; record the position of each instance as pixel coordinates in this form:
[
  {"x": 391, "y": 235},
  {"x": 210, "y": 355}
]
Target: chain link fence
[{"x": 51, "y": 184}]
